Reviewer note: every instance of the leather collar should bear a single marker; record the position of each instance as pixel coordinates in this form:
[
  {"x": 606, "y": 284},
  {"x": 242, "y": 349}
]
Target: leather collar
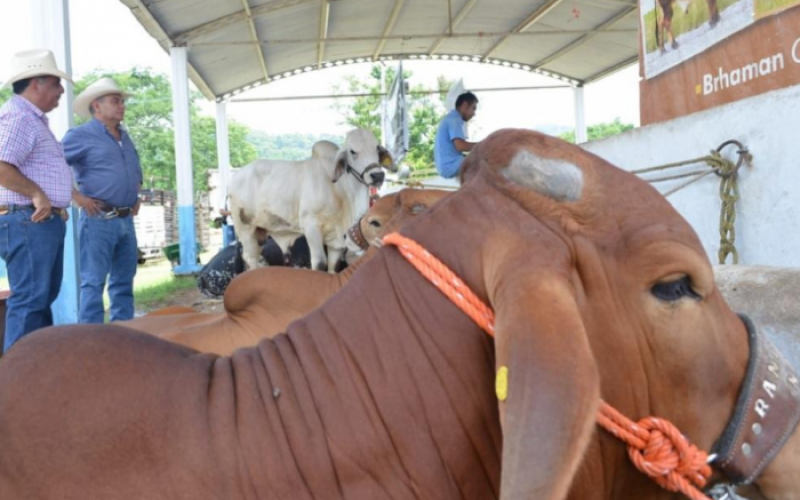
[
  {"x": 357, "y": 235},
  {"x": 766, "y": 414}
]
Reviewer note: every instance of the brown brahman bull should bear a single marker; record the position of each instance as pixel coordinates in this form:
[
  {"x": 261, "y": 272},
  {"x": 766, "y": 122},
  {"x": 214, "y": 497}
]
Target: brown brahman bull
[
  {"x": 599, "y": 287},
  {"x": 261, "y": 303}
]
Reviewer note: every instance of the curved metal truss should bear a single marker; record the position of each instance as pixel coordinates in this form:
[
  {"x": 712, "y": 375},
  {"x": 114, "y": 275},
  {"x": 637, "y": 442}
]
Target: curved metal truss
[{"x": 396, "y": 57}]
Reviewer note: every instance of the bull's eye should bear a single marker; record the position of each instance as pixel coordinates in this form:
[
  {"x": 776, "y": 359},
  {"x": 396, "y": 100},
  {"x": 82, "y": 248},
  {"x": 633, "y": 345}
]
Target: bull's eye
[
  {"x": 672, "y": 291},
  {"x": 353, "y": 153},
  {"x": 374, "y": 223}
]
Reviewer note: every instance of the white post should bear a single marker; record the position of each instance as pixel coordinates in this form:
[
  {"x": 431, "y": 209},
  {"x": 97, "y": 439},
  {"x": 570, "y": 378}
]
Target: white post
[
  {"x": 51, "y": 31},
  {"x": 183, "y": 161},
  {"x": 580, "y": 116},
  {"x": 224, "y": 162},
  {"x": 384, "y": 102}
]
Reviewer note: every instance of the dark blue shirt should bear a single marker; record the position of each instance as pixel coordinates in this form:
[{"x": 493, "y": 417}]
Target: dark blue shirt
[{"x": 105, "y": 169}]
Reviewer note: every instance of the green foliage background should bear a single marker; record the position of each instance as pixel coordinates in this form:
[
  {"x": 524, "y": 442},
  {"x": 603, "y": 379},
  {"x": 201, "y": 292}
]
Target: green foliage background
[
  {"x": 425, "y": 112},
  {"x": 600, "y": 131}
]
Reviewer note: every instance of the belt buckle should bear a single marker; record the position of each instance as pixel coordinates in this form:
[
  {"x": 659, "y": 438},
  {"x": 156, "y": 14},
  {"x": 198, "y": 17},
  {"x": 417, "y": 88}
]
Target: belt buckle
[{"x": 110, "y": 215}]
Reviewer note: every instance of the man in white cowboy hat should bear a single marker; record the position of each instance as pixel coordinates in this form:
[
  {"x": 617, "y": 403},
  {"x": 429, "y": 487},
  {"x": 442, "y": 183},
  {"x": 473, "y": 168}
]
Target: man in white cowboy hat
[
  {"x": 35, "y": 189},
  {"x": 109, "y": 177}
]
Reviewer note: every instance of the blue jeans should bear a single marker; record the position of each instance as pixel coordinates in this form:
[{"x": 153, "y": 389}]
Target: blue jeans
[
  {"x": 34, "y": 256},
  {"x": 228, "y": 235},
  {"x": 108, "y": 250}
]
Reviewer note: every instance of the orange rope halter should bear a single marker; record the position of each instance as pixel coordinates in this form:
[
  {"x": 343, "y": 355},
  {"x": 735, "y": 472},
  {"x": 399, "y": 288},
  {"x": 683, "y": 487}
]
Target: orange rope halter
[{"x": 655, "y": 446}]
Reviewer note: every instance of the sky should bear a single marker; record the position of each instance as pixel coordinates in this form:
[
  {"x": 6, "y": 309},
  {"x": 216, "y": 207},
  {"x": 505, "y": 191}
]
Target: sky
[{"x": 105, "y": 35}]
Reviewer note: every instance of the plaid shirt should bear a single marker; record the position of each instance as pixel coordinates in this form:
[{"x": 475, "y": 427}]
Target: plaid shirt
[{"x": 27, "y": 143}]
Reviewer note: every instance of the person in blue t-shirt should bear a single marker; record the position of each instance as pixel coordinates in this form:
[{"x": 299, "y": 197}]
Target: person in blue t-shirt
[{"x": 451, "y": 139}]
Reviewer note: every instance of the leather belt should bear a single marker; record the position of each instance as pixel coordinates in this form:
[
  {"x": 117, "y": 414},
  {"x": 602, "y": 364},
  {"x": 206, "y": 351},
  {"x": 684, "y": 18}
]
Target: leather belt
[
  {"x": 109, "y": 212},
  {"x": 7, "y": 209}
]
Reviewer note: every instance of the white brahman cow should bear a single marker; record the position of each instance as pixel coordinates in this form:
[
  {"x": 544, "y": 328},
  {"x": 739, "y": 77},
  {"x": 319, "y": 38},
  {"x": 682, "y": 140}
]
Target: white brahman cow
[{"x": 320, "y": 197}]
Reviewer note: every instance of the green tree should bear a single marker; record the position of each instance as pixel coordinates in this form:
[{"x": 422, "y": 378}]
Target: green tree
[
  {"x": 5, "y": 95},
  {"x": 148, "y": 119},
  {"x": 204, "y": 148},
  {"x": 600, "y": 131},
  {"x": 425, "y": 112},
  {"x": 286, "y": 146}
]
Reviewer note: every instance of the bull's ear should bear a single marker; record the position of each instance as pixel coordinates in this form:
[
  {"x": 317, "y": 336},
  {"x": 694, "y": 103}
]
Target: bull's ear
[
  {"x": 386, "y": 159},
  {"x": 551, "y": 177},
  {"x": 341, "y": 165}
]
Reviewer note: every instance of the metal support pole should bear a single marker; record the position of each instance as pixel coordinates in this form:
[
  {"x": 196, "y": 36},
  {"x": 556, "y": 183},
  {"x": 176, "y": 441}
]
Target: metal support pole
[
  {"x": 383, "y": 104},
  {"x": 580, "y": 117},
  {"x": 183, "y": 161},
  {"x": 51, "y": 31},
  {"x": 224, "y": 162}
]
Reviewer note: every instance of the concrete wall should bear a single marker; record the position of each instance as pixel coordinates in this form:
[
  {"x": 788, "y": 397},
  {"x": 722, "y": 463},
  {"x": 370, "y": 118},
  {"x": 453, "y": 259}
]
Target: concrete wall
[{"x": 768, "y": 212}]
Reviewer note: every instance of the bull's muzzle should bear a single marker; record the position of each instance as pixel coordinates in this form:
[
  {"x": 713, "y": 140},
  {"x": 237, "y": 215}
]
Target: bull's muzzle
[{"x": 376, "y": 178}]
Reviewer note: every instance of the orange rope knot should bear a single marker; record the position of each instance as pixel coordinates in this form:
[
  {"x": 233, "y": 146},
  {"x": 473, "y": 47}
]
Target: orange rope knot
[
  {"x": 658, "y": 449},
  {"x": 655, "y": 446}
]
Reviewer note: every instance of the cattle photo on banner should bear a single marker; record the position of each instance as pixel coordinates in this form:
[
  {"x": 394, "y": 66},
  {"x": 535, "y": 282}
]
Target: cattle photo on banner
[
  {"x": 395, "y": 132},
  {"x": 699, "y": 54}
]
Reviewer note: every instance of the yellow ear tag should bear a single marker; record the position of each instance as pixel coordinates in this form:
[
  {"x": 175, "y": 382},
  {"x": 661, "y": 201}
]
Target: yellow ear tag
[
  {"x": 501, "y": 383},
  {"x": 386, "y": 162}
]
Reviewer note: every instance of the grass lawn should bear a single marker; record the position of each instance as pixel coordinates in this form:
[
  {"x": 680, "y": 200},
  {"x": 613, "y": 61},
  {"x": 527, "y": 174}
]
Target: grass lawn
[
  {"x": 766, "y": 7},
  {"x": 155, "y": 282},
  {"x": 154, "y": 295}
]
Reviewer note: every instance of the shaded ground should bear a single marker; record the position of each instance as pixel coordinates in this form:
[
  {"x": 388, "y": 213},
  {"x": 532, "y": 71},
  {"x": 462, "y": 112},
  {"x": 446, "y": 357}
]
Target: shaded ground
[{"x": 156, "y": 287}]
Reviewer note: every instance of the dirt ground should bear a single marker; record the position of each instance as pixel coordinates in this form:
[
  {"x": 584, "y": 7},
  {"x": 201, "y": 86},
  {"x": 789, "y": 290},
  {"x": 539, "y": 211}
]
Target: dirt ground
[
  {"x": 193, "y": 298},
  {"x": 190, "y": 297}
]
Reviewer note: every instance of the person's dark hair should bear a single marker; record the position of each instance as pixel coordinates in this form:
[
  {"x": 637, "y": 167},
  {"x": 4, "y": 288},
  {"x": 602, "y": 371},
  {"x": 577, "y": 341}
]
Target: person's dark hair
[
  {"x": 466, "y": 97},
  {"x": 21, "y": 85}
]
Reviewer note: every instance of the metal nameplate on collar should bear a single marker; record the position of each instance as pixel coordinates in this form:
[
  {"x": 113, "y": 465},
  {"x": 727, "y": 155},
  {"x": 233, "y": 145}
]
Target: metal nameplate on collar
[
  {"x": 723, "y": 492},
  {"x": 766, "y": 413}
]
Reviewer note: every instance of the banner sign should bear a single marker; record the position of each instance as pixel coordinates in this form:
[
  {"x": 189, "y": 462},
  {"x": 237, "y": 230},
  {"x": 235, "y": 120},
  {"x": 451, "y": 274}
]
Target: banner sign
[{"x": 705, "y": 53}]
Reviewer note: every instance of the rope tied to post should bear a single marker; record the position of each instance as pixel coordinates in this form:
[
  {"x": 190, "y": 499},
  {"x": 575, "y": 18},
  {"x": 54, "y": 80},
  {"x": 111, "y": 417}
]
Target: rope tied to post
[{"x": 727, "y": 171}]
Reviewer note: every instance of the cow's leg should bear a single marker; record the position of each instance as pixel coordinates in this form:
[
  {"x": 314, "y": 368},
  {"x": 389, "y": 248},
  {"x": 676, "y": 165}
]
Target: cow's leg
[
  {"x": 285, "y": 244},
  {"x": 316, "y": 245},
  {"x": 334, "y": 256},
  {"x": 251, "y": 250},
  {"x": 713, "y": 13},
  {"x": 665, "y": 26},
  {"x": 672, "y": 35}
]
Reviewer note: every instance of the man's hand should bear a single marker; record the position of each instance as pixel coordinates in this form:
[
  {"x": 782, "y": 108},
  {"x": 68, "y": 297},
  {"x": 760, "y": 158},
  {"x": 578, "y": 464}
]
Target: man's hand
[
  {"x": 135, "y": 210},
  {"x": 43, "y": 209},
  {"x": 463, "y": 146},
  {"x": 91, "y": 205}
]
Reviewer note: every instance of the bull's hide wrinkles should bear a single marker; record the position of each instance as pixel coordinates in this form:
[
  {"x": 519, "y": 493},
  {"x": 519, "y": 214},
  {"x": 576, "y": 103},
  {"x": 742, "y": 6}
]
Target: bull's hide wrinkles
[{"x": 365, "y": 398}]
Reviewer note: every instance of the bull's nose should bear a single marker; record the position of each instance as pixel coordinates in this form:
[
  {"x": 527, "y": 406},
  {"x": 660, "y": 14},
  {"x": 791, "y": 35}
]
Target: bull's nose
[{"x": 377, "y": 177}]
